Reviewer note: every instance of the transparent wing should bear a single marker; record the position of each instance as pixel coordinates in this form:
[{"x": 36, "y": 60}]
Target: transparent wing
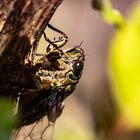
[{"x": 40, "y": 130}]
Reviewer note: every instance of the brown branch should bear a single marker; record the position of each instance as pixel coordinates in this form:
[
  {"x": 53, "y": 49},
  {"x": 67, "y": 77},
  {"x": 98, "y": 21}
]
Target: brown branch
[{"x": 21, "y": 26}]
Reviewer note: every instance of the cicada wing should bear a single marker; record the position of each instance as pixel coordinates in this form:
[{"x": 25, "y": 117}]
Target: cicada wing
[
  {"x": 39, "y": 111},
  {"x": 40, "y": 130}
]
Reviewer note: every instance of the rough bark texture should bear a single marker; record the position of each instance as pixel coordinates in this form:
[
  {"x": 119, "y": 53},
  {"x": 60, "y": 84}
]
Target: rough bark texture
[{"x": 21, "y": 26}]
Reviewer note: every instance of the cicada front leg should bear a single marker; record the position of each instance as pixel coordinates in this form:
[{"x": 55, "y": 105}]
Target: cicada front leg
[
  {"x": 53, "y": 50},
  {"x": 57, "y": 43},
  {"x": 61, "y": 41}
]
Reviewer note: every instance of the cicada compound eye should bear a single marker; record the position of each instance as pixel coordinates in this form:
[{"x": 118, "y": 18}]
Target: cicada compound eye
[{"x": 78, "y": 67}]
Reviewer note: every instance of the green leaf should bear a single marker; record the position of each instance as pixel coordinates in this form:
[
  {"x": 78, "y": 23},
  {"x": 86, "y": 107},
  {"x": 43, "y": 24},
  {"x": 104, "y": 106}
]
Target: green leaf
[
  {"x": 7, "y": 119},
  {"x": 111, "y": 15},
  {"x": 125, "y": 68}
]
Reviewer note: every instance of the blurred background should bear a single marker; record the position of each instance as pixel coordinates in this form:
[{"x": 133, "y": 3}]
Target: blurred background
[
  {"x": 106, "y": 103},
  {"x": 91, "y": 112}
]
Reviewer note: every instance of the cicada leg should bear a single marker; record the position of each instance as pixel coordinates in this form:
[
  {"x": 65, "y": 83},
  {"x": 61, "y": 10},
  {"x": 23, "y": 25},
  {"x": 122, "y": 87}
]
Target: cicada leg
[
  {"x": 57, "y": 43},
  {"x": 51, "y": 43},
  {"x": 61, "y": 40},
  {"x": 39, "y": 54},
  {"x": 57, "y": 30}
]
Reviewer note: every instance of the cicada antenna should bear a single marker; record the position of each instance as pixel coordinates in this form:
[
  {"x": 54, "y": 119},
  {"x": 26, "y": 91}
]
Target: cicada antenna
[{"x": 80, "y": 44}]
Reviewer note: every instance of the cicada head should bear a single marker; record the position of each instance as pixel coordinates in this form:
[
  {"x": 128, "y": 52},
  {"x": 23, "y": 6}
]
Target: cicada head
[{"x": 70, "y": 70}]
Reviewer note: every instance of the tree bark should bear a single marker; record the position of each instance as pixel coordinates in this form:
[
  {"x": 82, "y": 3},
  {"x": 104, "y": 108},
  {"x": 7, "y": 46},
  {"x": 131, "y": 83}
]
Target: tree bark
[{"x": 22, "y": 23}]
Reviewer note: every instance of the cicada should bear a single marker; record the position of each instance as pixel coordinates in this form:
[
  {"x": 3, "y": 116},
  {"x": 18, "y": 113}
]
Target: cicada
[{"x": 52, "y": 78}]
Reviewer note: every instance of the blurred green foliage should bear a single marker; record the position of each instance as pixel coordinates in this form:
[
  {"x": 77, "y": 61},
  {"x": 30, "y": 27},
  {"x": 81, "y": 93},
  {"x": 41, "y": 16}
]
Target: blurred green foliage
[
  {"x": 109, "y": 14},
  {"x": 7, "y": 119},
  {"x": 125, "y": 68}
]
